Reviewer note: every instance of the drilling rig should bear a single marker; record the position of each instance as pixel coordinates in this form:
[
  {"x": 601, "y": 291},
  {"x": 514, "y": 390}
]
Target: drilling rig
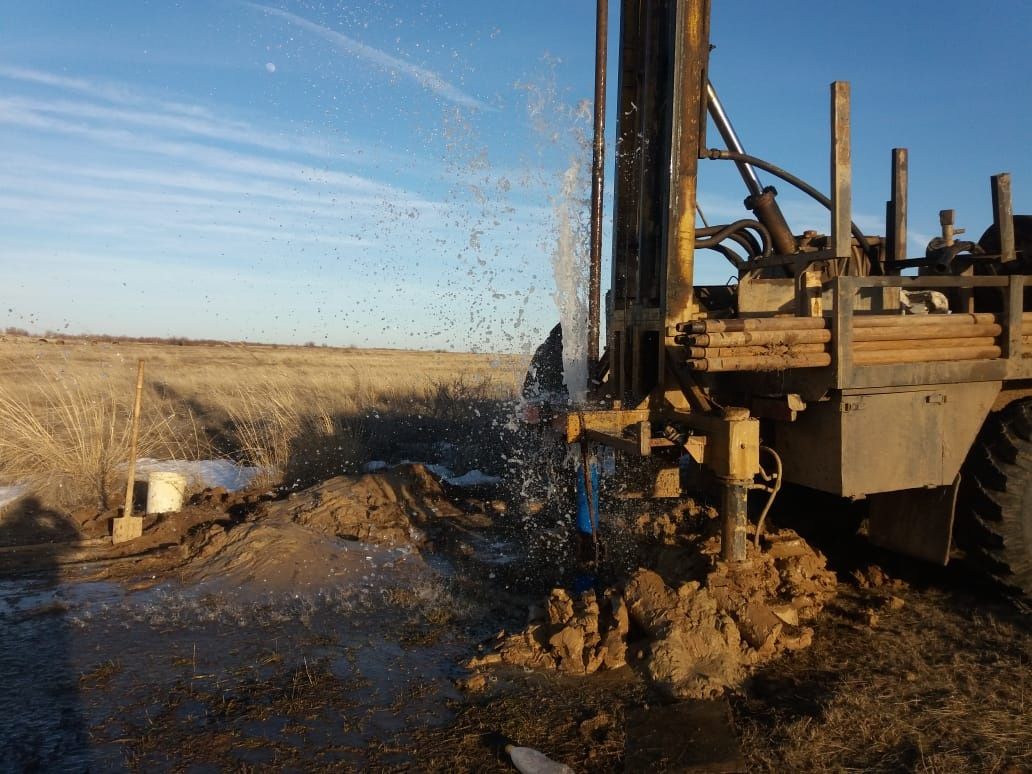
[{"x": 808, "y": 369}]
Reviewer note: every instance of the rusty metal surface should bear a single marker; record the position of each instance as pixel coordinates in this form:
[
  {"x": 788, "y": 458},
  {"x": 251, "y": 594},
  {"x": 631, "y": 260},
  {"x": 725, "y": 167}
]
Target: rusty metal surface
[
  {"x": 765, "y": 206},
  {"x": 625, "y": 184},
  {"x": 734, "y": 514},
  {"x": 1003, "y": 215},
  {"x": 691, "y": 62},
  {"x": 915, "y": 522},
  {"x": 664, "y": 51},
  {"x": 597, "y": 180},
  {"x": 574, "y": 423},
  {"x": 1016, "y": 325},
  {"x": 732, "y": 448},
  {"x": 652, "y": 188},
  {"x": 841, "y": 172},
  {"x": 897, "y": 223}
]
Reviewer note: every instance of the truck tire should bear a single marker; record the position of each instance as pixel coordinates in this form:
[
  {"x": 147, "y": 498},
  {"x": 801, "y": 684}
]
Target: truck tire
[{"x": 994, "y": 518}]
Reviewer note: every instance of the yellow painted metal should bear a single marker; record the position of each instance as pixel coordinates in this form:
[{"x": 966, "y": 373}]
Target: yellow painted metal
[{"x": 613, "y": 422}]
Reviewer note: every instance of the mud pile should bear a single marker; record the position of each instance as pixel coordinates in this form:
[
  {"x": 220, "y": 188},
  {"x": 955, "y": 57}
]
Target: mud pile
[
  {"x": 692, "y": 639},
  {"x": 347, "y": 528},
  {"x": 389, "y": 507}
]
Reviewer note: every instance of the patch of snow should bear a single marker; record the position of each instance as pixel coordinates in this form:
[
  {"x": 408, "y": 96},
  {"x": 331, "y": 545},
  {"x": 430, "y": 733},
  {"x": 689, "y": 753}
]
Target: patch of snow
[
  {"x": 207, "y": 473},
  {"x": 8, "y": 494},
  {"x": 440, "y": 471},
  {"x": 474, "y": 478}
]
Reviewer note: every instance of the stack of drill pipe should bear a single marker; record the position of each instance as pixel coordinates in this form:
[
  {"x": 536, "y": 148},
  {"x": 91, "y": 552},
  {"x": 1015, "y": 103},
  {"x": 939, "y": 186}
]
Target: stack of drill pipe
[{"x": 777, "y": 343}]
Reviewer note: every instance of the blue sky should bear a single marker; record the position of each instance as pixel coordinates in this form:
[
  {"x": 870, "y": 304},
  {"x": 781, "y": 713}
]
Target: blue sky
[{"x": 384, "y": 174}]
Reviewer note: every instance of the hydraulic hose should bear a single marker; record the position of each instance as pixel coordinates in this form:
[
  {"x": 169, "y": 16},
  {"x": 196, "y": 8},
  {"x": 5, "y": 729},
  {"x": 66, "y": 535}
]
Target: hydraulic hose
[
  {"x": 775, "y": 488},
  {"x": 744, "y": 158}
]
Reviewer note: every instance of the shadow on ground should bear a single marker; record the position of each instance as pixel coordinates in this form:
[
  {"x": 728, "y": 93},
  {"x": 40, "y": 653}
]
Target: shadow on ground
[{"x": 40, "y": 714}]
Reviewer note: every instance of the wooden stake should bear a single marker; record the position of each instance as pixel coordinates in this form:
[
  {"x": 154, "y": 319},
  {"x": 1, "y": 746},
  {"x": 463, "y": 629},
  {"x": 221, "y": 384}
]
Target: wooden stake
[{"x": 134, "y": 437}]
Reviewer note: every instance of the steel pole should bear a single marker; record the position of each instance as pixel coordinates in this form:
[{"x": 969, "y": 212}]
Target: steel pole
[
  {"x": 734, "y": 503},
  {"x": 597, "y": 183}
]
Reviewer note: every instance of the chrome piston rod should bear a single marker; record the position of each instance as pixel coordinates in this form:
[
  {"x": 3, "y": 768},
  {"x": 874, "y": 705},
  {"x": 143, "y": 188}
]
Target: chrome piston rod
[
  {"x": 761, "y": 200},
  {"x": 727, "y": 131}
]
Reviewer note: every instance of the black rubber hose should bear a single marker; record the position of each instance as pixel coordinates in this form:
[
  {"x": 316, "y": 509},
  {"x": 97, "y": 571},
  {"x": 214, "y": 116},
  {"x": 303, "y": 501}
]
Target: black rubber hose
[
  {"x": 733, "y": 258},
  {"x": 747, "y": 242},
  {"x": 720, "y": 233},
  {"x": 722, "y": 155}
]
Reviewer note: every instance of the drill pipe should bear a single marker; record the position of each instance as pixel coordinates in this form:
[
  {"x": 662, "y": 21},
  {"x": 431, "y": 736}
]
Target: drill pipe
[
  {"x": 859, "y": 321},
  {"x": 925, "y": 355},
  {"x": 761, "y": 363}
]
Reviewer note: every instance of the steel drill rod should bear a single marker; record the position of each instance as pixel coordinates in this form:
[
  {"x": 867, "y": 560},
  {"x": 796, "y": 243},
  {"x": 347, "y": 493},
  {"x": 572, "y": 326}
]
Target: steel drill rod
[
  {"x": 598, "y": 162},
  {"x": 887, "y": 333},
  {"x": 756, "y": 351},
  {"x": 756, "y": 324},
  {"x": 752, "y": 338},
  {"x": 886, "y": 357},
  {"x": 892, "y": 320},
  {"x": 964, "y": 341},
  {"x": 701, "y": 353},
  {"x": 882, "y": 357},
  {"x": 859, "y": 321},
  {"x": 760, "y": 363},
  {"x": 943, "y": 331}
]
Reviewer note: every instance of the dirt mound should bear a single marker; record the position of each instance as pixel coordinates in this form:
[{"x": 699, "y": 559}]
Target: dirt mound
[
  {"x": 387, "y": 507},
  {"x": 348, "y": 528},
  {"x": 693, "y": 639},
  {"x": 281, "y": 556}
]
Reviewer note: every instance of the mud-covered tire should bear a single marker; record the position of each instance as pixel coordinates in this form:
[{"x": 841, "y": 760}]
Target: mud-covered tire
[{"x": 994, "y": 513}]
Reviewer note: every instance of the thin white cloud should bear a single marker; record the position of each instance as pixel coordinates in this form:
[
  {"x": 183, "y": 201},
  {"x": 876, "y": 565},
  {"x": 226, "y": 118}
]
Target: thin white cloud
[
  {"x": 197, "y": 155},
  {"x": 428, "y": 79},
  {"x": 169, "y": 117},
  {"x": 109, "y": 92}
]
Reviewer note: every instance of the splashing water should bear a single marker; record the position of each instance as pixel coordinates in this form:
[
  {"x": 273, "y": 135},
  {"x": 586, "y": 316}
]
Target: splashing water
[
  {"x": 570, "y": 267},
  {"x": 564, "y": 126}
]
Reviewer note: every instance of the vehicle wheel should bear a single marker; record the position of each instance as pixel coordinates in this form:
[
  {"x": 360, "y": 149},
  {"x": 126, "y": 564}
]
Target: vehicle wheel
[{"x": 994, "y": 517}]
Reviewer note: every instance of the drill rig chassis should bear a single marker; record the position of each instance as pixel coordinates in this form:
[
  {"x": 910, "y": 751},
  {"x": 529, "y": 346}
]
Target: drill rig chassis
[{"x": 811, "y": 355}]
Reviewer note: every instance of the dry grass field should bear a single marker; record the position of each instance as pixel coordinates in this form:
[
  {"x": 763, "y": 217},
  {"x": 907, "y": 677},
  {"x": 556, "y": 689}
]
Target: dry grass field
[{"x": 298, "y": 413}]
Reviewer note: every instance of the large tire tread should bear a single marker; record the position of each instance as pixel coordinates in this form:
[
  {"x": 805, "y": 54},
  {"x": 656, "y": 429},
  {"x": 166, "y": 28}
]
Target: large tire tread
[{"x": 994, "y": 523}]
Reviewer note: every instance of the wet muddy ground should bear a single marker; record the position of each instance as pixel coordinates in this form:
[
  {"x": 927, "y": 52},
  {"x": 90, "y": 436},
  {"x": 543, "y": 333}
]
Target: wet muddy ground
[{"x": 138, "y": 665}]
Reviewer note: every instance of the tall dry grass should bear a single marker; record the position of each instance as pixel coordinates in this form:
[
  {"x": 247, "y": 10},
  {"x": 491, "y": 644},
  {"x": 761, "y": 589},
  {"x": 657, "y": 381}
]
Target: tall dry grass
[
  {"x": 298, "y": 414},
  {"x": 68, "y": 438}
]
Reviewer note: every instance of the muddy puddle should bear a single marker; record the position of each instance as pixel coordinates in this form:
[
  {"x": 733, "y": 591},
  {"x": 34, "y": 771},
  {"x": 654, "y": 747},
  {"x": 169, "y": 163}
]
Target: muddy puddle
[
  {"x": 273, "y": 639},
  {"x": 333, "y": 629},
  {"x": 101, "y": 677}
]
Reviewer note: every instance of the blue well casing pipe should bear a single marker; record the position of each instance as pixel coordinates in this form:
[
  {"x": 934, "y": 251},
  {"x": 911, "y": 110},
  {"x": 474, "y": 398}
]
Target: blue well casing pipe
[{"x": 583, "y": 514}]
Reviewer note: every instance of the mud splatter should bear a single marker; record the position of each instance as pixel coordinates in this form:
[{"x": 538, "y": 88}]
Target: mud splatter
[{"x": 692, "y": 639}]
